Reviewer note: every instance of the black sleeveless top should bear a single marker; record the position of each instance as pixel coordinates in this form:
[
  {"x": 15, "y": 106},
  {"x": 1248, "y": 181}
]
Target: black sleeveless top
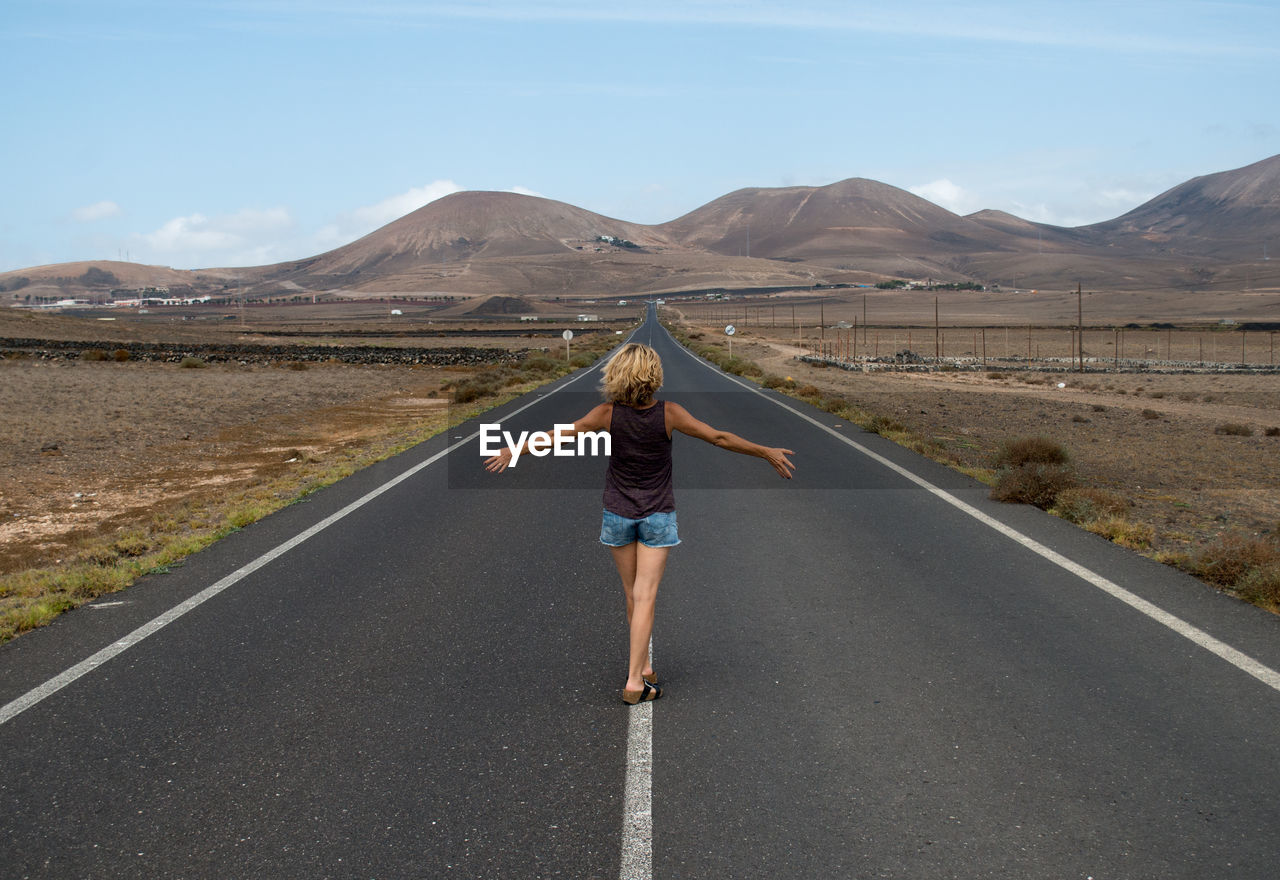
[{"x": 638, "y": 481}]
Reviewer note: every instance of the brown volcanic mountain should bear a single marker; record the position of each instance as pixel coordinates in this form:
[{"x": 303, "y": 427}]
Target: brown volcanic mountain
[
  {"x": 466, "y": 227},
  {"x": 1195, "y": 236},
  {"x": 854, "y": 218},
  {"x": 1226, "y": 216}
]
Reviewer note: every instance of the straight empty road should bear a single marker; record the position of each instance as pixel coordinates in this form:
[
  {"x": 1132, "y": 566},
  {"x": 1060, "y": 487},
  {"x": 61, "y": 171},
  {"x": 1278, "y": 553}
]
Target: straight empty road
[{"x": 870, "y": 671}]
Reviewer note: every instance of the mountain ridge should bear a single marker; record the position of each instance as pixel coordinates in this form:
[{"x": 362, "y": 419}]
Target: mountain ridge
[{"x": 478, "y": 242}]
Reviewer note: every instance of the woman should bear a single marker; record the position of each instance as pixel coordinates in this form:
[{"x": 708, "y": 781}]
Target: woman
[{"x": 639, "y": 525}]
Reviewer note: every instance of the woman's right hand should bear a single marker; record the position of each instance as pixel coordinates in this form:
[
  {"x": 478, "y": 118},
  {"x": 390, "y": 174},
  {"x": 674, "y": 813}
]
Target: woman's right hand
[
  {"x": 498, "y": 463},
  {"x": 778, "y": 458}
]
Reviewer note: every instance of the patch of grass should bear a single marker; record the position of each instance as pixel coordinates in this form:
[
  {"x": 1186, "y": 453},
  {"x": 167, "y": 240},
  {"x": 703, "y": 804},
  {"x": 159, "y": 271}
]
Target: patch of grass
[
  {"x": 1119, "y": 530},
  {"x": 1232, "y": 429},
  {"x": 94, "y": 354},
  {"x": 192, "y": 363}
]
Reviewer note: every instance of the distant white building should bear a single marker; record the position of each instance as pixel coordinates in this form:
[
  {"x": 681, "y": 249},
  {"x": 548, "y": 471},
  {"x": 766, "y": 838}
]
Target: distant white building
[{"x": 588, "y": 317}]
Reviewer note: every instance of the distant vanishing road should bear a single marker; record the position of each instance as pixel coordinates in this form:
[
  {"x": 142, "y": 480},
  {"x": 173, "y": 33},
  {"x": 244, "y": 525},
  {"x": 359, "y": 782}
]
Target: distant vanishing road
[{"x": 871, "y": 671}]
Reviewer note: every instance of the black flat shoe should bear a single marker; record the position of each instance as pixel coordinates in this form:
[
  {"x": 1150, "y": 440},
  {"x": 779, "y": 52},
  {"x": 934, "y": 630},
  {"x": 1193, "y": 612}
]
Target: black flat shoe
[{"x": 647, "y": 695}]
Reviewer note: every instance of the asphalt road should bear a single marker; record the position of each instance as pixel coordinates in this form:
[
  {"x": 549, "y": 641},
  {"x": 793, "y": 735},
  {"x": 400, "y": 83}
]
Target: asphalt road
[{"x": 868, "y": 674}]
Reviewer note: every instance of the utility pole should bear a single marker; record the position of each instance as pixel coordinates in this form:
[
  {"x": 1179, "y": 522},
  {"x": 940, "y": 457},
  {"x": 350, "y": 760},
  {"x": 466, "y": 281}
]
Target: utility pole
[
  {"x": 937, "y": 349},
  {"x": 1080, "y": 324}
]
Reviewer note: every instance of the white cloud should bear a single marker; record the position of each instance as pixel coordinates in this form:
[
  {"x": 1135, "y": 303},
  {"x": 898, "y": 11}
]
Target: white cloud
[
  {"x": 525, "y": 191},
  {"x": 248, "y": 237},
  {"x": 370, "y": 217},
  {"x": 96, "y": 211},
  {"x": 948, "y": 195}
]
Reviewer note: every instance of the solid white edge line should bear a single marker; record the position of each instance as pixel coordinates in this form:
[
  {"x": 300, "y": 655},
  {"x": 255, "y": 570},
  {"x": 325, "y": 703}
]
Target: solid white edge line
[
  {"x": 1236, "y": 658},
  {"x": 16, "y": 707},
  {"x": 637, "y": 803}
]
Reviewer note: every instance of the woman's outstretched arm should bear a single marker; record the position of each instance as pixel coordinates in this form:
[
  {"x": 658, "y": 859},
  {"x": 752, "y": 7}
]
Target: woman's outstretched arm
[
  {"x": 596, "y": 420},
  {"x": 679, "y": 419}
]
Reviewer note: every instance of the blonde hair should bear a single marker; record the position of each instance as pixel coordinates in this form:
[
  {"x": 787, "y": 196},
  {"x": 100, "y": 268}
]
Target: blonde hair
[{"x": 633, "y": 375}]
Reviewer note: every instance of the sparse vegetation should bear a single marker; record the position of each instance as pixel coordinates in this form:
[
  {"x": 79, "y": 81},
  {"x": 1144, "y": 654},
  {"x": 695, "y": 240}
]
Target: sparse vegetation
[
  {"x": 103, "y": 563},
  {"x": 1083, "y": 504},
  {"x": 1232, "y": 429}
]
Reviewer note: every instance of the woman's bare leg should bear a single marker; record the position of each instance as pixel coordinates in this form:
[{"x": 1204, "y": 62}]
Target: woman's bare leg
[{"x": 641, "y": 570}]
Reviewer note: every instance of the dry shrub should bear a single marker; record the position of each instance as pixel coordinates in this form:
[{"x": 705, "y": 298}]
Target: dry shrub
[
  {"x": 884, "y": 425},
  {"x": 540, "y": 364},
  {"x": 808, "y": 391},
  {"x": 1272, "y": 432},
  {"x": 1231, "y": 559},
  {"x": 1033, "y": 483},
  {"x": 472, "y": 389},
  {"x": 741, "y": 367},
  {"x": 1261, "y": 586},
  {"x": 834, "y": 403},
  {"x": 1150, "y": 414},
  {"x": 192, "y": 363},
  {"x": 121, "y": 355},
  {"x": 1030, "y": 450},
  {"x": 93, "y": 354},
  {"x": 772, "y": 381},
  {"x": 1232, "y": 429},
  {"x": 1083, "y": 504}
]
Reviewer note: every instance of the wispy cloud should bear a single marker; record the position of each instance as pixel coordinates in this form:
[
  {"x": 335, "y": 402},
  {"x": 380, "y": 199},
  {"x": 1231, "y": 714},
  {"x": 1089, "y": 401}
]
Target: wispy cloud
[
  {"x": 1142, "y": 27},
  {"x": 370, "y": 217},
  {"x": 948, "y": 195},
  {"x": 96, "y": 211}
]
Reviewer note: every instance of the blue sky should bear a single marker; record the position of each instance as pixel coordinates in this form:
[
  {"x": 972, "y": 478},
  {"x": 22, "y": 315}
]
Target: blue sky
[{"x": 200, "y": 134}]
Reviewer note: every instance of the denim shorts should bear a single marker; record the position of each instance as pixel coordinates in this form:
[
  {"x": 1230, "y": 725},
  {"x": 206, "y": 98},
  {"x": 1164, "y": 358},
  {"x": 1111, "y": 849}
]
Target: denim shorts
[{"x": 655, "y": 530}]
